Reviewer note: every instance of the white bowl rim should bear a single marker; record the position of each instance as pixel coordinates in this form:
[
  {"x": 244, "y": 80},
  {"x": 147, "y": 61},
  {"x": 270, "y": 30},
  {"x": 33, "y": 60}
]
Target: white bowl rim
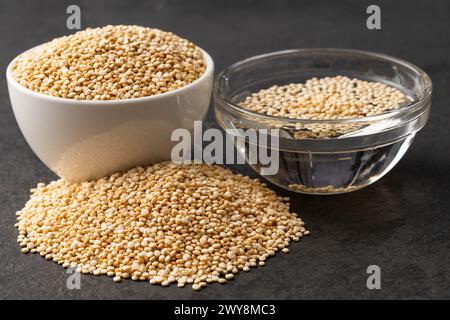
[{"x": 208, "y": 72}]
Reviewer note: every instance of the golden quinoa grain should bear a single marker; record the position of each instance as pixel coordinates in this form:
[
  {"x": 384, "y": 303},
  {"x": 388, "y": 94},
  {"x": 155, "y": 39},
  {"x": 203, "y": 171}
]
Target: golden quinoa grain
[
  {"x": 326, "y": 98},
  {"x": 325, "y": 189},
  {"x": 110, "y": 63},
  {"x": 329, "y": 98},
  {"x": 166, "y": 234}
]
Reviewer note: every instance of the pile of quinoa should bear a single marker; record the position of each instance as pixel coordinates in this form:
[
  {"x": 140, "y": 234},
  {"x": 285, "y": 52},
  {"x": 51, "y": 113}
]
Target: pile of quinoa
[
  {"x": 326, "y": 98},
  {"x": 108, "y": 63},
  {"x": 329, "y": 98},
  {"x": 166, "y": 223}
]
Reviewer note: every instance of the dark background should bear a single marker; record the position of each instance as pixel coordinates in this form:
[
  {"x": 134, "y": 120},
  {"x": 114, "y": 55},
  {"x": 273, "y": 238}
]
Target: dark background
[{"x": 400, "y": 223}]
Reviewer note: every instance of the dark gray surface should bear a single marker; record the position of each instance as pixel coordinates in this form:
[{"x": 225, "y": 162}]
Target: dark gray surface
[{"x": 401, "y": 223}]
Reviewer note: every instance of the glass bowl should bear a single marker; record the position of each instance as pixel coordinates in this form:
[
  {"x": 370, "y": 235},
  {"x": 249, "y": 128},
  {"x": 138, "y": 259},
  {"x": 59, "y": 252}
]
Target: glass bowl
[{"x": 352, "y": 153}]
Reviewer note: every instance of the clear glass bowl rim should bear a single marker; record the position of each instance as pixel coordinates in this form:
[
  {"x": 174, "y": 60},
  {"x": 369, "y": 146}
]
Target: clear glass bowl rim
[{"x": 419, "y": 102}]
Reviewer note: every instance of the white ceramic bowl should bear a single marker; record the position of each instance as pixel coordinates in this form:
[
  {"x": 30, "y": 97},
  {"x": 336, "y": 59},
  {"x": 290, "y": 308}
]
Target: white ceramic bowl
[{"x": 83, "y": 140}]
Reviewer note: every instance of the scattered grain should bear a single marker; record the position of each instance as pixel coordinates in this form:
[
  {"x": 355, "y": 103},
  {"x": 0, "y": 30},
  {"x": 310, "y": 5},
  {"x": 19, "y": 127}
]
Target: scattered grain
[{"x": 185, "y": 224}]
